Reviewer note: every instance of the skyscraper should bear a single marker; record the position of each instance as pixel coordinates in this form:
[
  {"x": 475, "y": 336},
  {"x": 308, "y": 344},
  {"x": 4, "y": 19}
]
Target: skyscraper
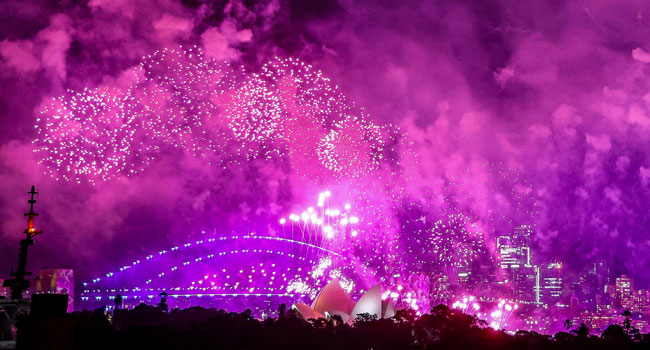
[
  {"x": 623, "y": 291},
  {"x": 514, "y": 249},
  {"x": 549, "y": 283},
  {"x": 515, "y": 257},
  {"x": 624, "y": 286}
]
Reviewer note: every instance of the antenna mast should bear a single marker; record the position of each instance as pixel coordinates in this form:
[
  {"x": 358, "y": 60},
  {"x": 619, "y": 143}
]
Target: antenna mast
[{"x": 19, "y": 284}]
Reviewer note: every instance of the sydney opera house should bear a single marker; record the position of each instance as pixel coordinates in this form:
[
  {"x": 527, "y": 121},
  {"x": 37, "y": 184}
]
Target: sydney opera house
[{"x": 333, "y": 300}]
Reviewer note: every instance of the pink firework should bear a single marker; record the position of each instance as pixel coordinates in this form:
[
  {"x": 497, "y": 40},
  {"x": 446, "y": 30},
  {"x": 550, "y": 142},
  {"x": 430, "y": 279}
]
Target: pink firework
[
  {"x": 354, "y": 146},
  {"x": 90, "y": 135},
  {"x": 179, "y": 99}
]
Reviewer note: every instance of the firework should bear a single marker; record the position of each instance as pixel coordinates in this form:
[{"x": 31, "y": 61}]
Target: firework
[
  {"x": 354, "y": 147},
  {"x": 325, "y": 224},
  {"x": 210, "y": 109},
  {"x": 455, "y": 241},
  {"x": 501, "y": 315},
  {"x": 90, "y": 135},
  {"x": 254, "y": 116},
  {"x": 178, "y": 99},
  {"x": 467, "y": 305},
  {"x": 497, "y": 194},
  {"x": 289, "y": 114}
]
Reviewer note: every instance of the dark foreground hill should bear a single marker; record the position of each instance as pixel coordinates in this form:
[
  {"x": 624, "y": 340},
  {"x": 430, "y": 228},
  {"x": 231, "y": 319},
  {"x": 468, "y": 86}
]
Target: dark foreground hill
[{"x": 148, "y": 327}]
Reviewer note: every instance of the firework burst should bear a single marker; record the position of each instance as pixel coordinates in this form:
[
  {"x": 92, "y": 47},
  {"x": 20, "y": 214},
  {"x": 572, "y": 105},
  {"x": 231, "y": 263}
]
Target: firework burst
[
  {"x": 353, "y": 148},
  {"x": 90, "y": 135},
  {"x": 211, "y": 109},
  {"x": 455, "y": 240}
]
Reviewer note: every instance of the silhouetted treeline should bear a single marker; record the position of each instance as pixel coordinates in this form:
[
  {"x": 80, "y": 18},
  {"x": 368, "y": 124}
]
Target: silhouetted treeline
[{"x": 148, "y": 327}]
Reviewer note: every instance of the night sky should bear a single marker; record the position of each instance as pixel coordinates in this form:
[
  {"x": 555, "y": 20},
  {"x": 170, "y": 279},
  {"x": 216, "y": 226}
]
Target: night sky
[{"x": 526, "y": 114}]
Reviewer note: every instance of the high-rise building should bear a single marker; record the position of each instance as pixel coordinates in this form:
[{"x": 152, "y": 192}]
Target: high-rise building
[
  {"x": 516, "y": 259},
  {"x": 589, "y": 285},
  {"x": 521, "y": 237},
  {"x": 514, "y": 249},
  {"x": 624, "y": 287},
  {"x": 549, "y": 283},
  {"x": 602, "y": 273},
  {"x": 640, "y": 301},
  {"x": 524, "y": 279},
  {"x": 610, "y": 290}
]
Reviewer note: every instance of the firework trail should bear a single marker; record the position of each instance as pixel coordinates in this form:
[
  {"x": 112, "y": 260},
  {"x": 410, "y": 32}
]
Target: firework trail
[
  {"x": 467, "y": 305},
  {"x": 324, "y": 224},
  {"x": 501, "y": 315},
  {"x": 497, "y": 318}
]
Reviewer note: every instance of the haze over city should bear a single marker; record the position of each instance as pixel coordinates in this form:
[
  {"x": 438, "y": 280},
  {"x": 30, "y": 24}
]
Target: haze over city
[{"x": 481, "y": 145}]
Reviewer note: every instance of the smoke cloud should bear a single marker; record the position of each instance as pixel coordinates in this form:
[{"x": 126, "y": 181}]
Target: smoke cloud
[{"x": 553, "y": 95}]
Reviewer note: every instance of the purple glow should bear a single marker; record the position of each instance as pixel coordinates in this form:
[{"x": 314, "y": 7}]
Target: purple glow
[{"x": 442, "y": 149}]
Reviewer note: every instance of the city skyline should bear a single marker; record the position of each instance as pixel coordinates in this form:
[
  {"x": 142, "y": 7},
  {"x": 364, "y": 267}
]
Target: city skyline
[{"x": 514, "y": 291}]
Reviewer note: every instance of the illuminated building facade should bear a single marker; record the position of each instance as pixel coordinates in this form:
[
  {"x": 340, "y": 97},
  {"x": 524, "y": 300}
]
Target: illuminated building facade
[
  {"x": 549, "y": 283},
  {"x": 525, "y": 279},
  {"x": 623, "y": 289},
  {"x": 333, "y": 300},
  {"x": 515, "y": 258},
  {"x": 514, "y": 250},
  {"x": 640, "y": 301}
]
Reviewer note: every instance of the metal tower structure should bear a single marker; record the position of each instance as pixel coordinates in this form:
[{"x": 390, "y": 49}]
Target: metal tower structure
[{"x": 19, "y": 284}]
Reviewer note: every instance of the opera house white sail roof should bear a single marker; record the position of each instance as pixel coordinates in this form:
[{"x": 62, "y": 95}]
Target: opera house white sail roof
[{"x": 333, "y": 300}]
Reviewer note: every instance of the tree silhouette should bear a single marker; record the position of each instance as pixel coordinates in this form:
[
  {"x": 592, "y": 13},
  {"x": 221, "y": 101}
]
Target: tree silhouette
[
  {"x": 149, "y": 327},
  {"x": 615, "y": 337},
  {"x": 118, "y": 301},
  {"x": 282, "y": 310},
  {"x": 581, "y": 332},
  {"x": 162, "y": 305}
]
